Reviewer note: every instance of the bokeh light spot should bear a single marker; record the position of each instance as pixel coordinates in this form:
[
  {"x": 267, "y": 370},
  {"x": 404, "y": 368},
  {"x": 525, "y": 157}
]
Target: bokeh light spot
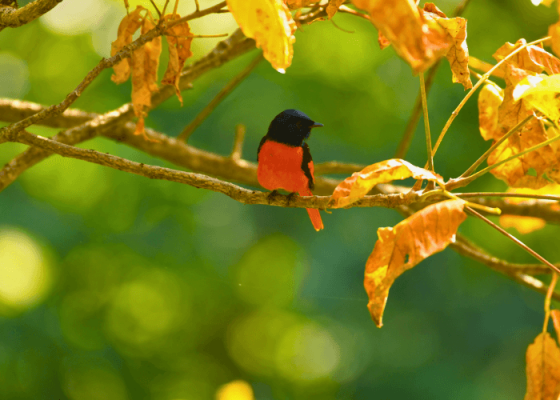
[
  {"x": 236, "y": 390},
  {"x": 14, "y": 79},
  {"x": 94, "y": 383},
  {"x": 307, "y": 352},
  {"x": 75, "y": 17},
  {"x": 25, "y": 275}
]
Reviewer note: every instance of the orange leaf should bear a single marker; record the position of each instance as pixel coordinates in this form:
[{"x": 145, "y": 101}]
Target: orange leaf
[
  {"x": 400, "y": 248},
  {"x": 295, "y": 4},
  {"x": 458, "y": 54},
  {"x": 129, "y": 24},
  {"x": 332, "y": 7},
  {"x": 489, "y": 100},
  {"x": 360, "y": 183},
  {"x": 382, "y": 40},
  {"x": 543, "y": 369},
  {"x": 144, "y": 62},
  {"x": 418, "y": 40},
  {"x": 554, "y": 32},
  {"x": 270, "y": 23},
  {"x": 179, "y": 40},
  {"x": 532, "y": 58}
]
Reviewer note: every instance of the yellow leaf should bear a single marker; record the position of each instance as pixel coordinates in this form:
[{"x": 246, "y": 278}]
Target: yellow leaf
[
  {"x": 236, "y": 390},
  {"x": 540, "y": 92},
  {"x": 270, "y": 23},
  {"x": 179, "y": 39},
  {"x": 129, "y": 24},
  {"x": 458, "y": 54},
  {"x": 489, "y": 100},
  {"x": 360, "y": 183},
  {"x": 332, "y": 7},
  {"x": 295, "y": 4},
  {"x": 532, "y": 58},
  {"x": 400, "y": 248},
  {"x": 416, "y": 39},
  {"x": 543, "y": 369}
]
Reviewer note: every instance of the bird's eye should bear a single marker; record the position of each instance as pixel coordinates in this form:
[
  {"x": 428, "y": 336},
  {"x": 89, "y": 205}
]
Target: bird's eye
[{"x": 298, "y": 124}]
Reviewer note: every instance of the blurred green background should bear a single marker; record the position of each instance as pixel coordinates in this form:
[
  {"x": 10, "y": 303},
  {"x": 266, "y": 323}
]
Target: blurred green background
[{"x": 114, "y": 286}]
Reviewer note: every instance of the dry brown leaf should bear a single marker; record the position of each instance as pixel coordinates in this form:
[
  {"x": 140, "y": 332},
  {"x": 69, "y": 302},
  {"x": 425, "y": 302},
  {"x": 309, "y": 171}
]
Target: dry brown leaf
[
  {"x": 419, "y": 41},
  {"x": 360, "y": 183},
  {"x": 129, "y": 24},
  {"x": 543, "y": 369},
  {"x": 332, "y": 7},
  {"x": 532, "y": 58},
  {"x": 400, "y": 248},
  {"x": 489, "y": 100},
  {"x": 144, "y": 62},
  {"x": 179, "y": 40},
  {"x": 458, "y": 54},
  {"x": 270, "y": 23}
]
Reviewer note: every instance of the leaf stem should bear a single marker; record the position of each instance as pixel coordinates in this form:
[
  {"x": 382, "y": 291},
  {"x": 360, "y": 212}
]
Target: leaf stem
[
  {"x": 226, "y": 90},
  {"x": 426, "y": 123},
  {"x": 483, "y": 157},
  {"x": 500, "y": 194},
  {"x": 547, "y": 301},
  {"x": 476, "y": 86},
  {"x": 514, "y": 239}
]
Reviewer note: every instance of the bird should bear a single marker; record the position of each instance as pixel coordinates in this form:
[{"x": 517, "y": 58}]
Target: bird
[{"x": 284, "y": 159}]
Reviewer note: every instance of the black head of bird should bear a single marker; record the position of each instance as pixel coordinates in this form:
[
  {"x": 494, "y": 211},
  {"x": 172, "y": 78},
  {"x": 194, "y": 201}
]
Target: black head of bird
[{"x": 291, "y": 127}]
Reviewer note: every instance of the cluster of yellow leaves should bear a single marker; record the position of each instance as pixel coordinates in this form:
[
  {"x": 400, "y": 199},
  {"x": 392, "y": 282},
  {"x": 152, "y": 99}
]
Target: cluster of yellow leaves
[
  {"x": 401, "y": 247},
  {"x": 527, "y": 91},
  {"x": 145, "y": 60}
]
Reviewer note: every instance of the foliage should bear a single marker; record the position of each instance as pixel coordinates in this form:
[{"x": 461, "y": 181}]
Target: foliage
[{"x": 164, "y": 305}]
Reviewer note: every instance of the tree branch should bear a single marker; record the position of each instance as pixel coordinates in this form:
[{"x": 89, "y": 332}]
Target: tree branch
[
  {"x": 200, "y": 181},
  {"x": 14, "y": 17}
]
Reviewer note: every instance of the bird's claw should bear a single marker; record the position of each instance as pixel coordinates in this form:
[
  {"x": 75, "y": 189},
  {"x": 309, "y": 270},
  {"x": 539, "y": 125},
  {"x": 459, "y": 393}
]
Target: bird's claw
[
  {"x": 272, "y": 195},
  {"x": 291, "y": 198}
]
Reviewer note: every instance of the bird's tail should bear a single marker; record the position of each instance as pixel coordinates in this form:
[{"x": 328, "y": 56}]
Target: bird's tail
[{"x": 313, "y": 213}]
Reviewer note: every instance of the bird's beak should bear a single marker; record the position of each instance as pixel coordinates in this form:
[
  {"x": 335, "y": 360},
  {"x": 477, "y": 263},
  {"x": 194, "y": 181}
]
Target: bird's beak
[{"x": 317, "y": 125}]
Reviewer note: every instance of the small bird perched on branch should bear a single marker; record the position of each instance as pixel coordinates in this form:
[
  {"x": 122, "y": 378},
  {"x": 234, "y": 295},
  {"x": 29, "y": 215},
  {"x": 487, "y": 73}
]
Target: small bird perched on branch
[{"x": 285, "y": 160}]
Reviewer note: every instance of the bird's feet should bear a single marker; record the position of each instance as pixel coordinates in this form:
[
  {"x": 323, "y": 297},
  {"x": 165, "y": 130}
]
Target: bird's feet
[
  {"x": 272, "y": 195},
  {"x": 291, "y": 198}
]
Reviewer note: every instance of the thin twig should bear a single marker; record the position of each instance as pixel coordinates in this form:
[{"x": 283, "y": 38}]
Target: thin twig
[
  {"x": 237, "y": 151},
  {"x": 547, "y": 301},
  {"x": 404, "y": 144},
  {"x": 426, "y": 123},
  {"x": 483, "y": 157},
  {"x": 513, "y": 238},
  {"x": 504, "y": 194},
  {"x": 156, "y": 7},
  {"x": 476, "y": 86},
  {"x": 226, "y": 90},
  {"x": 197, "y": 5}
]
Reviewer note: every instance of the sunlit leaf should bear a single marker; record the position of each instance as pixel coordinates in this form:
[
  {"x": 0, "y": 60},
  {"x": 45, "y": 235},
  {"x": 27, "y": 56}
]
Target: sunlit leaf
[
  {"x": 129, "y": 24},
  {"x": 418, "y": 40},
  {"x": 524, "y": 225},
  {"x": 555, "y": 314},
  {"x": 332, "y": 7},
  {"x": 532, "y": 58},
  {"x": 543, "y": 369},
  {"x": 270, "y": 23},
  {"x": 179, "y": 39},
  {"x": 489, "y": 100},
  {"x": 360, "y": 183},
  {"x": 458, "y": 54},
  {"x": 541, "y": 92},
  {"x": 295, "y": 4},
  {"x": 408, "y": 243},
  {"x": 554, "y": 33}
]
